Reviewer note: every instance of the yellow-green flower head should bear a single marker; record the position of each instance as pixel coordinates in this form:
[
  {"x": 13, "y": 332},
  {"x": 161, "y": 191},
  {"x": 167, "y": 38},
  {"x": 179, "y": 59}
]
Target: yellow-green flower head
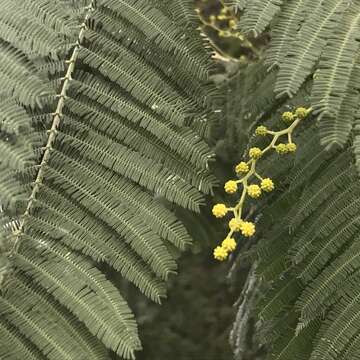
[
  {"x": 232, "y": 24},
  {"x": 212, "y": 18},
  {"x": 219, "y": 210},
  {"x": 229, "y": 244},
  {"x": 281, "y": 149},
  {"x": 242, "y": 167},
  {"x": 231, "y": 187},
  {"x": 235, "y": 224},
  {"x": 247, "y": 229},
  {"x": 224, "y": 33},
  {"x": 255, "y": 153},
  {"x": 301, "y": 112},
  {"x": 220, "y": 253},
  {"x": 261, "y": 130},
  {"x": 288, "y": 116},
  {"x": 291, "y": 147},
  {"x": 267, "y": 185},
  {"x": 254, "y": 191}
]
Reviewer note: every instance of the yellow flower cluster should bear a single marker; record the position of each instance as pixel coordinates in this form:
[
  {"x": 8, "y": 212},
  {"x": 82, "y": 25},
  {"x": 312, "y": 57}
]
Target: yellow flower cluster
[
  {"x": 231, "y": 187},
  {"x": 255, "y": 153},
  {"x": 285, "y": 148},
  {"x": 224, "y": 22},
  {"x": 242, "y": 167},
  {"x": 246, "y": 170},
  {"x": 235, "y": 224},
  {"x": 281, "y": 149},
  {"x": 220, "y": 253},
  {"x": 301, "y": 113},
  {"x": 248, "y": 229},
  {"x": 267, "y": 185},
  {"x": 261, "y": 131},
  {"x": 229, "y": 244},
  {"x": 291, "y": 147},
  {"x": 254, "y": 191},
  {"x": 288, "y": 116},
  {"x": 219, "y": 210},
  {"x": 221, "y": 21}
]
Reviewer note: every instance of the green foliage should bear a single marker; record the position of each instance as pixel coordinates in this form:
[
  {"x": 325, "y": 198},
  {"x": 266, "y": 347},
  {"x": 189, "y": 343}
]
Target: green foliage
[
  {"x": 237, "y": 4},
  {"x": 318, "y": 39},
  {"x": 103, "y": 110},
  {"x": 307, "y": 253},
  {"x": 258, "y": 14}
]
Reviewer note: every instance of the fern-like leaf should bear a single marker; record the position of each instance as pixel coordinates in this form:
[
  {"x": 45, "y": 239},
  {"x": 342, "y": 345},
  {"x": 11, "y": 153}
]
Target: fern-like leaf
[
  {"x": 308, "y": 46},
  {"x": 333, "y": 75},
  {"x": 258, "y": 15},
  {"x": 98, "y": 116}
]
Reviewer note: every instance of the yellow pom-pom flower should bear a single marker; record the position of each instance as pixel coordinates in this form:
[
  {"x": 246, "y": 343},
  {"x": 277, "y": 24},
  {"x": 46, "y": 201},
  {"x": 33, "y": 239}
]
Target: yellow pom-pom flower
[
  {"x": 301, "y": 112},
  {"x": 255, "y": 153},
  {"x": 267, "y": 185},
  {"x": 247, "y": 229},
  {"x": 254, "y": 191},
  {"x": 229, "y": 244},
  {"x": 281, "y": 149},
  {"x": 231, "y": 187},
  {"x": 235, "y": 224},
  {"x": 219, "y": 210},
  {"x": 291, "y": 147},
  {"x": 212, "y": 18},
  {"x": 250, "y": 186},
  {"x": 288, "y": 116},
  {"x": 242, "y": 167},
  {"x": 232, "y": 24},
  {"x": 261, "y": 131},
  {"x": 220, "y": 253}
]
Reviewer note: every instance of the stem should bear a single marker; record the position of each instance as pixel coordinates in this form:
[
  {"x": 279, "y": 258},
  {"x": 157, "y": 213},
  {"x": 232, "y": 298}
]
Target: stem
[
  {"x": 57, "y": 115},
  {"x": 232, "y": 33},
  {"x": 237, "y": 210},
  {"x": 240, "y": 204},
  {"x": 255, "y": 154}
]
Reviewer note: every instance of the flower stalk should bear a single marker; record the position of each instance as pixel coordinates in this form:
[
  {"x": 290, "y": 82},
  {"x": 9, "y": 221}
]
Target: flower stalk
[{"x": 248, "y": 173}]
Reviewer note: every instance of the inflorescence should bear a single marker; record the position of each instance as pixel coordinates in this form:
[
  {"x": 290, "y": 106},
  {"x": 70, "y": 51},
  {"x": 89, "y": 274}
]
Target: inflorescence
[
  {"x": 224, "y": 23},
  {"x": 246, "y": 171}
]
